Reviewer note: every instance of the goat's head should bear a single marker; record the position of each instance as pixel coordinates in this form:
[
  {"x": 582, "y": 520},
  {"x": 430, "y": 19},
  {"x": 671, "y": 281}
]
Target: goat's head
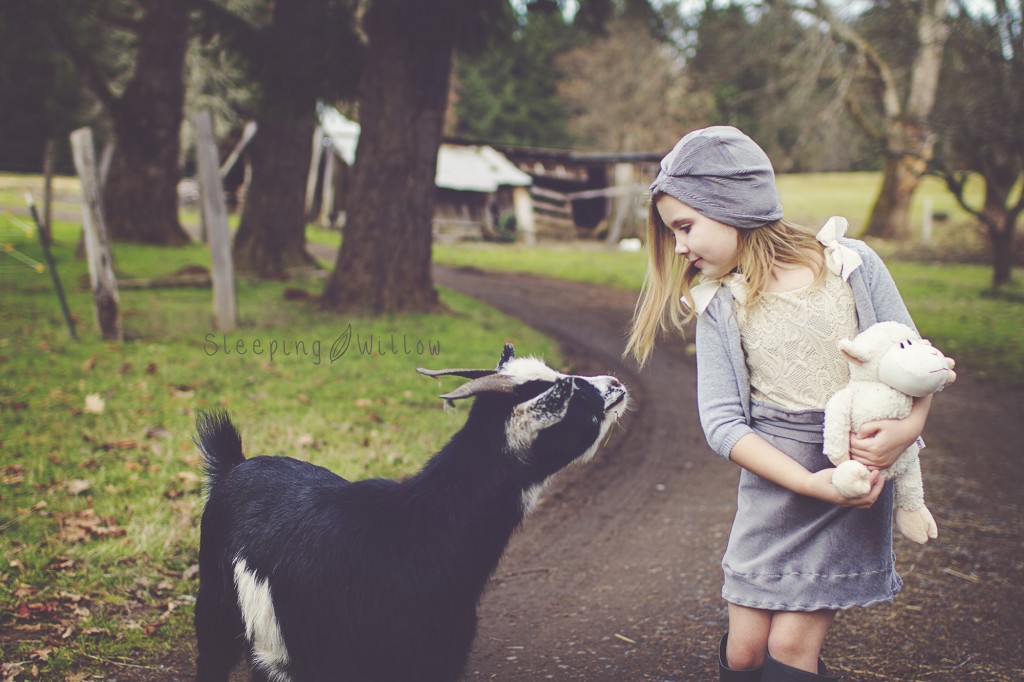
[{"x": 550, "y": 419}]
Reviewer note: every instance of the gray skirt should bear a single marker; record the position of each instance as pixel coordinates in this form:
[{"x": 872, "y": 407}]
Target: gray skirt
[{"x": 788, "y": 552}]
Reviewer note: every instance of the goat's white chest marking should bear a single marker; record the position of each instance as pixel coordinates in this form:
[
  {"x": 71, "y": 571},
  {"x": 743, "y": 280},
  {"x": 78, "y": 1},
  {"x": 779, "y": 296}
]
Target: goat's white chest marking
[{"x": 261, "y": 626}]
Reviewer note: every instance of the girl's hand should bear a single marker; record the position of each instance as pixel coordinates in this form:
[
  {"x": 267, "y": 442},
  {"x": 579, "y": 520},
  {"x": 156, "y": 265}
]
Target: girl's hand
[
  {"x": 878, "y": 444},
  {"x": 819, "y": 486}
]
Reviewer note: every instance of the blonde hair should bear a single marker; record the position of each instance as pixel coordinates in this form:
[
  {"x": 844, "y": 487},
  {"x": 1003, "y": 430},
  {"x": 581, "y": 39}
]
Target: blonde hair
[{"x": 670, "y": 277}]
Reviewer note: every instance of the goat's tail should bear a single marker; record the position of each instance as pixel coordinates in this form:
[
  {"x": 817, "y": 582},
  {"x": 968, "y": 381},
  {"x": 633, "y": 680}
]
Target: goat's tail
[{"x": 220, "y": 444}]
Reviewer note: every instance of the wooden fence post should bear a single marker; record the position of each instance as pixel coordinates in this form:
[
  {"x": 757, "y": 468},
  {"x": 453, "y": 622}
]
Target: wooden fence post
[
  {"x": 327, "y": 194},
  {"x": 314, "y": 169},
  {"x": 215, "y": 215},
  {"x": 106, "y": 300}
]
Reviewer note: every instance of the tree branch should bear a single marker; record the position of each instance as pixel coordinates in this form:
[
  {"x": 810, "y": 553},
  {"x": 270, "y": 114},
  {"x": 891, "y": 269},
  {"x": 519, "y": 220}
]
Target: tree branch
[
  {"x": 890, "y": 100},
  {"x": 861, "y": 119},
  {"x": 243, "y": 35},
  {"x": 116, "y": 19},
  {"x": 83, "y": 62}
]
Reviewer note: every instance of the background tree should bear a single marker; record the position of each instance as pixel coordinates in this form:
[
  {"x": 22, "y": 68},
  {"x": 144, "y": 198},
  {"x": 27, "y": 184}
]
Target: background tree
[
  {"x": 140, "y": 195},
  {"x": 628, "y": 89},
  {"x": 508, "y": 92},
  {"x": 981, "y": 123},
  {"x": 42, "y": 99},
  {"x": 384, "y": 261},
  {"x": 305, "y": 50},
  {"x": 897, "y": 117}
]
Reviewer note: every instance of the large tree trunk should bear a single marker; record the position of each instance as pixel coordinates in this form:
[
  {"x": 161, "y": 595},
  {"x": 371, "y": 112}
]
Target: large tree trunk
[
  {"x": 1000, "y": 218},
  {"x": 384, "y": 262},
  {"x": 141, "y": 192},
  {"x": 272, "y": 235},
  {"x": 890, "y": 214}
]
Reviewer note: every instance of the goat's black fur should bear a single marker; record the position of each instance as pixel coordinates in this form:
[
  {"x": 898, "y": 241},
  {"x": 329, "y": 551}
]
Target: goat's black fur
[{"x": 374, "y": 580}]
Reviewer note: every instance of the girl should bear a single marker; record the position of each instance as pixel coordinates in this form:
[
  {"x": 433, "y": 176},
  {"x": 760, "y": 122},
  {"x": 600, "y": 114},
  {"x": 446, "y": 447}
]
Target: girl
[{"x": 771, "y": 301}]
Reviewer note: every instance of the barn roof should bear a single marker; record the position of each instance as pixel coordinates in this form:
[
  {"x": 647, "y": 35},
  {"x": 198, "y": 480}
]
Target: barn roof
[{"x": 476, "y": 168}]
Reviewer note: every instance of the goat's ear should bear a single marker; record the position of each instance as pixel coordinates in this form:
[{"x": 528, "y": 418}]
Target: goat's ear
[
  {"x": 492, "y": 383},
  {"x": 507, "y": 353}
]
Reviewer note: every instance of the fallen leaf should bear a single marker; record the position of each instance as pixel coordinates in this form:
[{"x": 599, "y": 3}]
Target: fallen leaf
[
  {"x": 85, "y": 525},
  {"x": 77, "y": 486},
  {"x": 42, "y": 654},
  {"x": 94, "y": 404}
]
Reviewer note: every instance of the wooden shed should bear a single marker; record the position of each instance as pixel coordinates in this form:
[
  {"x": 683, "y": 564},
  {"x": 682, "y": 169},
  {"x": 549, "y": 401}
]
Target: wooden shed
[{"x": 481, "y": 194}]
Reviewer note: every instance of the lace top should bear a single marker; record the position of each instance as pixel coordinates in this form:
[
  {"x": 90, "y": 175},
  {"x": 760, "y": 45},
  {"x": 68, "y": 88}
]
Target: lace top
[{"x": 790, "y": 342}]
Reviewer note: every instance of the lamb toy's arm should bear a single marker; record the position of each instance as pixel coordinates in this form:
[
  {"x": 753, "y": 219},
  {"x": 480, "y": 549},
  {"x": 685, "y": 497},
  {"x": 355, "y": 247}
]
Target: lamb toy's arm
[{"x": 838, "y": 420}]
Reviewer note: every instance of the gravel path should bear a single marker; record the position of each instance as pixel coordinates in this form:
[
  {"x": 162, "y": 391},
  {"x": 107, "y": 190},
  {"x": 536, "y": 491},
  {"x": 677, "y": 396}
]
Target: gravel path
[{"x": 616, "y": 575}]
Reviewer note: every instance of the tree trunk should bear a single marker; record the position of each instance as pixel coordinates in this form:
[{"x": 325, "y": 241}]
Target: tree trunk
[
  {"x": 384, "y": 262},
  {"x": 141, "y": 192},
  {"x": 272, "y": 235},
  {"x": 1001, "y": 223},
  {"x": 890, "y": 214},
  {"x": 1001, "y": 237}
]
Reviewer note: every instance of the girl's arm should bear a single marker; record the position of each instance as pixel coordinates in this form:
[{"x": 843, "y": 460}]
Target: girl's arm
[
  {"x": 878, "y": 444},
  {"x": 760, "y": 457}
]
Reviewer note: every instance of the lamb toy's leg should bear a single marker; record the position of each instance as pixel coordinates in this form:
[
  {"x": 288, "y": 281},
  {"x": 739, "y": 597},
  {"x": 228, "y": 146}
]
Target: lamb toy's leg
[
  {"x": 851, "y": 479},
  {"x": 912, "y": 516}
]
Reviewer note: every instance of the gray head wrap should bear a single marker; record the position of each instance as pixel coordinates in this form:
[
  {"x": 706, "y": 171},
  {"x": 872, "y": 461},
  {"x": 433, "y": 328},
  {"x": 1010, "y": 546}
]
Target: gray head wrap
[{"x": 722, "y": 174}]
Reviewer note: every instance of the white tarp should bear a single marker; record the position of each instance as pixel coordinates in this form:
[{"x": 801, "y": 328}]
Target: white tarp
[{"x": 463, "y": 168}]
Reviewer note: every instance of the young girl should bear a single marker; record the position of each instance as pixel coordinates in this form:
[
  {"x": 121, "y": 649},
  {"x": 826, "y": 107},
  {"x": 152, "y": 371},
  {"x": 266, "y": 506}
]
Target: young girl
[{"x": 772, "y": 300}]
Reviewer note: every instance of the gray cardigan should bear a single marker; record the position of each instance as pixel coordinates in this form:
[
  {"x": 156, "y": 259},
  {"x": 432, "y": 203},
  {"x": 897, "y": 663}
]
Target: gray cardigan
[{"x": 723, "y": 381}]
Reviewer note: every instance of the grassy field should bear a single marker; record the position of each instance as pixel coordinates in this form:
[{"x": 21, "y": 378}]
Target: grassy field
[{"x": 100, "y": 492}]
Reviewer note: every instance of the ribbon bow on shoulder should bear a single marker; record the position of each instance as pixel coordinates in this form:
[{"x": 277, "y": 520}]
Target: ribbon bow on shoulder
[
  {"x": 840, "y": 259},
  {"x": 705, "y": 291}
]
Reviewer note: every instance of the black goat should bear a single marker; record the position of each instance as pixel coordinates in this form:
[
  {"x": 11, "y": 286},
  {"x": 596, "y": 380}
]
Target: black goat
[{"x": 320, "y": 579}]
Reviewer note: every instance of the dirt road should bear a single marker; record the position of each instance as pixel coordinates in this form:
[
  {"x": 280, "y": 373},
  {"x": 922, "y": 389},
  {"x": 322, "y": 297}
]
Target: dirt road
[{"x": 616, "y": 575}]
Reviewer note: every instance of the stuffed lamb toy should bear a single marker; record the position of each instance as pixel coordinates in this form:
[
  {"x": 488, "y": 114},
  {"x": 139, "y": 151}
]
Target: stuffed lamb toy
[{"x": 889, "y": 366}]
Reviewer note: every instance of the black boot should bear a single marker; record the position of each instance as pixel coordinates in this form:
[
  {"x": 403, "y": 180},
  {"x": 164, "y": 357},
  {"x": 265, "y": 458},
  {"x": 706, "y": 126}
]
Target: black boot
[
  {"x": 774, "y": 671},
  {"x": 727, "y": 674}
]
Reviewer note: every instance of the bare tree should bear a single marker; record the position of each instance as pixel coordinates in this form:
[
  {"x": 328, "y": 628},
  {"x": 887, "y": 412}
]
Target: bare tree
[
  {"x": 897, "y": 116},
  {"x": 628, "y": 90},
  {"x": 981, "y": 120},
  {"x": 140, "y": 193}
]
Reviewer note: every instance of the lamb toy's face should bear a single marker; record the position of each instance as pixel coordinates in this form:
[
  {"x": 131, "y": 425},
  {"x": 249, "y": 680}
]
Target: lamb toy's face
[{"x": 893, "y": 354}]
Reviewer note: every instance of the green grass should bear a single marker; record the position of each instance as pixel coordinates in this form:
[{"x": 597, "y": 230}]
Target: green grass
[
  {"x": 810, "y": 198},
  {"x": 104, "y": 572}
]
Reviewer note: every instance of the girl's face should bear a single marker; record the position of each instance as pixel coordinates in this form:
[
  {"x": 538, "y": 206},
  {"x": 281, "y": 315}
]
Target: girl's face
[{"x": 710, "y": 246}]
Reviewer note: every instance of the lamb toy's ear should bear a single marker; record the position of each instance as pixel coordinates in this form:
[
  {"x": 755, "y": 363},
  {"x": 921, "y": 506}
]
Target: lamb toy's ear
[{"x": 852, "y": 352}]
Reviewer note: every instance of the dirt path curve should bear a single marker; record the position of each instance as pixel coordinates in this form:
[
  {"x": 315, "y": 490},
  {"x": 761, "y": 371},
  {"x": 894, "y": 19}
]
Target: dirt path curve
[{"x": 616, "y": 575}]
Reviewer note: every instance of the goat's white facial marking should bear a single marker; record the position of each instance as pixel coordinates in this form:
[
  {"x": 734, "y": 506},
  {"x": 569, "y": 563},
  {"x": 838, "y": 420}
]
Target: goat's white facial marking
[
  {"x": 262, "y": 630},
  {"x": 530, "y": 418}
]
